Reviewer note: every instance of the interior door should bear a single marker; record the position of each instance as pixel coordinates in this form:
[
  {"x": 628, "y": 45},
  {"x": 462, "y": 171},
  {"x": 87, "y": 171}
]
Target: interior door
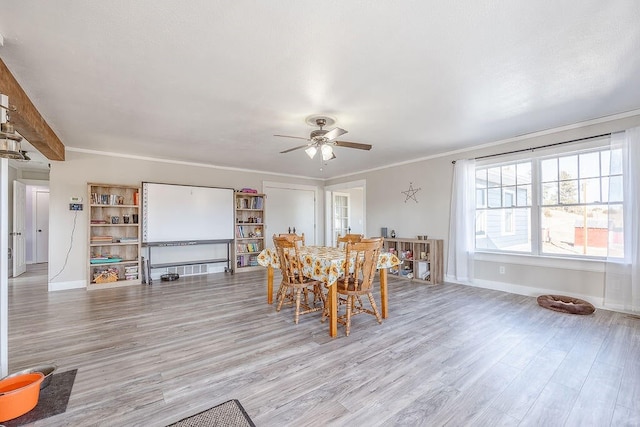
[
  {"x": 18, "y": 232},
  {"x": 290, "y": 208},
  {"x": 340, "y": 216},
  {"x": 42, "y": 226}
]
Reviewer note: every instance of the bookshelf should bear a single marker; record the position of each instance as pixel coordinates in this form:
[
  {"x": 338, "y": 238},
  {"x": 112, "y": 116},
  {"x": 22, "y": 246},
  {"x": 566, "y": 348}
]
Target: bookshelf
[
  {"x": 419, "y": 259},
  {"x": 114, "y": 236},
  {"x": 249, "y": 230}
]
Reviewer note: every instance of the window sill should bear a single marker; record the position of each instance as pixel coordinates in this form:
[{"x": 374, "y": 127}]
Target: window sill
[{"x": 597, "y": 266}]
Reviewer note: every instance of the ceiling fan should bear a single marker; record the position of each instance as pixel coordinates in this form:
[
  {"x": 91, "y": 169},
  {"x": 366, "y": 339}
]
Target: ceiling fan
[{"x": 324, "y": 140}]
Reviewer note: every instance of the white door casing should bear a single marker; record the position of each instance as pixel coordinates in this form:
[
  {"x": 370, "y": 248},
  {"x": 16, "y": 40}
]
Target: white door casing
[{"x": 42, "y": 226}]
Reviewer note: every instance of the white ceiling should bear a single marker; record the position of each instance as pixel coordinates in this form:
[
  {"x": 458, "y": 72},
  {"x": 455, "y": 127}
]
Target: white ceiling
[{"x": 211, "y": 81}]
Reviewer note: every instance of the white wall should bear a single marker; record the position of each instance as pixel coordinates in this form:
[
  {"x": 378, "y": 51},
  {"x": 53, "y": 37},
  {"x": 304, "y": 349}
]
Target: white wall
[
  {"x": 356, "y": 211},
  {"x": 70, "y": 178},
  {"x": 387, "y": 207}
]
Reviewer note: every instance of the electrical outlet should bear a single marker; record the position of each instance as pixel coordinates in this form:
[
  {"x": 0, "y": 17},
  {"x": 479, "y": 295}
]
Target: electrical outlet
[
  {"x": 502, "y": 269},
  {"x": 75, "y": 206}
]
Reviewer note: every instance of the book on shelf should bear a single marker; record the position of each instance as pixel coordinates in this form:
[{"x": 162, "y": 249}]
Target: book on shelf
[
  {"x": 244, "y": 248},
  {"x": 128, "y": 239},
  {"x": 106, "y": 199},
  {"x": 256, "y": 203}
]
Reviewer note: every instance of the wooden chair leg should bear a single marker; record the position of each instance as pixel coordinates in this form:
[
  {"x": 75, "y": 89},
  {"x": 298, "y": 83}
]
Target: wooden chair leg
[
  {"x": 350, "y": 301},
  {"x": 318, "y": 296},
  {"x": 375, "y": 308},
  {"x": 280, "y": 297},
  {"x": 298, "y": 296}
]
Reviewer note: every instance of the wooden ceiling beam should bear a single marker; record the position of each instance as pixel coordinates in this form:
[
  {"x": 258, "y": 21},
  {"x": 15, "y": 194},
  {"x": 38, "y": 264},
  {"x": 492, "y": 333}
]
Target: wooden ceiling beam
[{"x": 27, "y": 120}]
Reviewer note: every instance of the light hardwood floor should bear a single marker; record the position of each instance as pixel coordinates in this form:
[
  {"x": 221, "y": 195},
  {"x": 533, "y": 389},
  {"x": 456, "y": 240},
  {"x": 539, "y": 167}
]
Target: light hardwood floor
[{"x": 447, "y": 355}]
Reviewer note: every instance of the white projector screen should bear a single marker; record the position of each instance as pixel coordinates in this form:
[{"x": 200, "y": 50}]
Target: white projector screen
[{"x": 181, "y": 213}]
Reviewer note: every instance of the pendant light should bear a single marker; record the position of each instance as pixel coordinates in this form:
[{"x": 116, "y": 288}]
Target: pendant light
[{"x": 10, "y": 142}]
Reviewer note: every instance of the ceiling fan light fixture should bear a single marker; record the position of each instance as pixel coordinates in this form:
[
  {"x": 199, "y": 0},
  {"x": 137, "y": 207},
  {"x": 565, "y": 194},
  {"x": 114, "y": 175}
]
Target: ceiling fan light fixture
[
  {"x": 311, "y": 151},
  {"x": 327, "y": 152}
]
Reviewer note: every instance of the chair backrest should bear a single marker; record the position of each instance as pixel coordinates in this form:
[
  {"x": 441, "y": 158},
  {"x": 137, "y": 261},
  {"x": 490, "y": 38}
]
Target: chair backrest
[
  {"x": 373, "y": 239},
  {"x": 353, "y": 238},
  {"x": 299, "y": 238},
  {"x": 365, "y": 256},
  {"x": 289, "y": 257}
]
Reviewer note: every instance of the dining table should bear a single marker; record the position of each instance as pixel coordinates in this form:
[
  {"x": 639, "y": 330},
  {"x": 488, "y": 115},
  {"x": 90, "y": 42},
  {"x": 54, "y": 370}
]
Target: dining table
[{"x": 326, "y": 263}]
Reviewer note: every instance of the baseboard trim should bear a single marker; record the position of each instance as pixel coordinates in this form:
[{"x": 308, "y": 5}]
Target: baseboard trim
[
  {"x": 527, "y": 290},
  {"x": 63, "y": 286}
]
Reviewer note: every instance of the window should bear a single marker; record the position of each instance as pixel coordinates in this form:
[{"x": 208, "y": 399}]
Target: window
[
  {"x": 576, "y": 210},
  {"x": 506, "y": 189}
]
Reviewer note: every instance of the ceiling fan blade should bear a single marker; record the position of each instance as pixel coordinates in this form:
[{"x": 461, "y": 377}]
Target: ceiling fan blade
[
  {"x": 334, "y": 133},
  {"x": 294, "y": 148},
  {"x": 289, "y": 136},
  {"x": 352, "y": 145}
]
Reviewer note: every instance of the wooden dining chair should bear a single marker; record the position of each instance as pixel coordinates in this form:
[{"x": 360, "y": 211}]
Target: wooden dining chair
[
  {"x": 295, "y": 288},
  {"x": 343, "y": 240},
  {"x": 299, "y": 238},
  {"x": 362, "y": 257}
]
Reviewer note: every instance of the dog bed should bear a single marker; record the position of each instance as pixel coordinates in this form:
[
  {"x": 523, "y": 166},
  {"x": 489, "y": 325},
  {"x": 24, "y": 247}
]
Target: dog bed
[{"x": 566, "y": 304}]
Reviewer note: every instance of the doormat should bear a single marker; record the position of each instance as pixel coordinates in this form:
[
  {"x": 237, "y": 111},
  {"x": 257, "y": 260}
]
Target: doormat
[
  {"x": 227, "y": 414},
  {"x": 53, "y": 399}
]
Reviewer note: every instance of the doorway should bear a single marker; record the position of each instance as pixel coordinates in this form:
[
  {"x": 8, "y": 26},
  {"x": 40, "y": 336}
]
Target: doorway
[
  {"x": 36, "y": 222},
  {"x": 341, "y": 217},
  {"x": 345, "y": 210}
]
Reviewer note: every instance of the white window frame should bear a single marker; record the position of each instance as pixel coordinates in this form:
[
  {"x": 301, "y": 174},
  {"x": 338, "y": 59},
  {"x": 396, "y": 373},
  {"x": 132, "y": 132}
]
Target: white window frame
[
  {"x": 536, "y": 200},
  {"x": 511, "y": 221}
]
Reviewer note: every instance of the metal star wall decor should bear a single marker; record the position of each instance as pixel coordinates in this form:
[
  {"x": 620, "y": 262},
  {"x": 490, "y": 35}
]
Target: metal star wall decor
[{"x": 411, "y": 193}]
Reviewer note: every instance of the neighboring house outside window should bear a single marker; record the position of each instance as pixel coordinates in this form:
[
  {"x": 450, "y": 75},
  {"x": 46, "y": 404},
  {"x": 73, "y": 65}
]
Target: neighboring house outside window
[
  {"x": 507, "y": 189},
  {"x": 568, "y": 204}
]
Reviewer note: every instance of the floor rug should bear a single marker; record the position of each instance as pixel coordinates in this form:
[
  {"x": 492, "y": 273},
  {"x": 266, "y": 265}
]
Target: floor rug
[
  {"x": 227, "y": 414},
  {"x": 53, "y": 399}
]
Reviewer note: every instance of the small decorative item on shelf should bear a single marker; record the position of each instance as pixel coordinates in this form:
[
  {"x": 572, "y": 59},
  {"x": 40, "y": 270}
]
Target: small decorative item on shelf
[
  {"x": 393, "y": 234},
  {"x": 106, "y": 276}
]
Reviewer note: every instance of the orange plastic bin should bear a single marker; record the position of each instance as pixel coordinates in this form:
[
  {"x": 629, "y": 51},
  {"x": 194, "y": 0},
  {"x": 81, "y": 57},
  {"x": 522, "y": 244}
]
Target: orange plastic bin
[{"x": 19, "y": 395}]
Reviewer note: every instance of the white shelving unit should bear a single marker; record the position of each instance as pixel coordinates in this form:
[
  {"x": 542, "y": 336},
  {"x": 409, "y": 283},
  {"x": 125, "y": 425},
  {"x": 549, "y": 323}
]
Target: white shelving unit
[{"x": 249, "y": 230}]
